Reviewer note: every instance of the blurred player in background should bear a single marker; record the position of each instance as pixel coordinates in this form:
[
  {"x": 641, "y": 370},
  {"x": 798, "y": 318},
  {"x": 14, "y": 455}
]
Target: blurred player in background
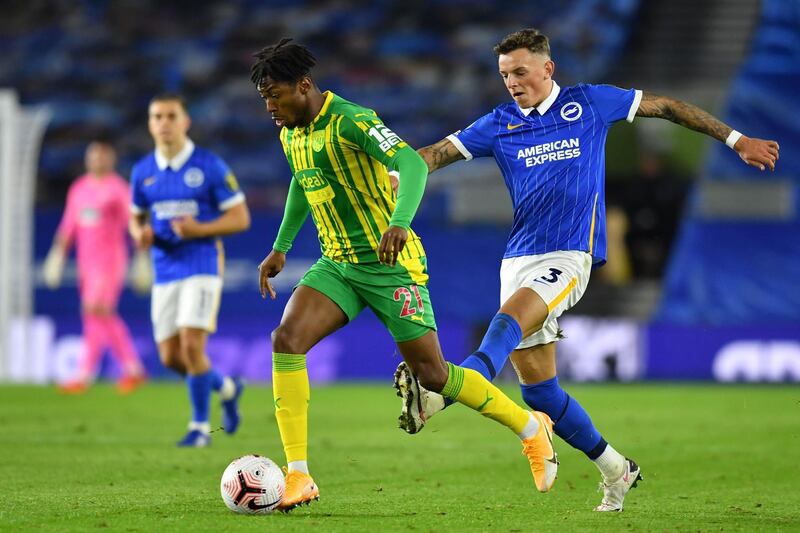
[
  {"x": 184, "y": 199},
  {"x": 339, "y": 153},
  {"x": 95, "y": 219},
  {"x": 549, "y": 144}
]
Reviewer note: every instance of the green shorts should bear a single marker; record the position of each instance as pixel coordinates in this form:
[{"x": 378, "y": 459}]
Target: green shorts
[{"x": 398, "y": 294}]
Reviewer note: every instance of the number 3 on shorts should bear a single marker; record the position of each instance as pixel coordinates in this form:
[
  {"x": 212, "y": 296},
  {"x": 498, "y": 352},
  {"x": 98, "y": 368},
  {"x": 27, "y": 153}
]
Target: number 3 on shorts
[{"x": 404, "y": 292}]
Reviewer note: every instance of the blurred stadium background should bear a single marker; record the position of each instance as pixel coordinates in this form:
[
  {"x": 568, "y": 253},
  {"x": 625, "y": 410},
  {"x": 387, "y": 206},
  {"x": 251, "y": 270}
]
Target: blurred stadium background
[{"x": 703, "y": 280}]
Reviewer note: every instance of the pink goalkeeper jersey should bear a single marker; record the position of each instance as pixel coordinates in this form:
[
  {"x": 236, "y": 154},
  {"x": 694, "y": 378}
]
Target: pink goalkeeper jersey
[{"x": 96, "y": 219}]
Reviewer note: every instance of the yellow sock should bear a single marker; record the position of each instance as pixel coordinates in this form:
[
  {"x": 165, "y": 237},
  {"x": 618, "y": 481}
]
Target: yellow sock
[
  {"x": 468, "y": 387},
  {"x": 291, "y": 393}
]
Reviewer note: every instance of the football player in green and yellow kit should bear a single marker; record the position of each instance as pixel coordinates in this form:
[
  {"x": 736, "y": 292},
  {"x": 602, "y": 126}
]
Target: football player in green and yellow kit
[{"x": 339, "y": 154}]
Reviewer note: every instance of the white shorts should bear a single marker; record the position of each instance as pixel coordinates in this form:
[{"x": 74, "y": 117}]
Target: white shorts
[
  {"x": 560, "y": 278},
  {"x": 191, "y": 302}
]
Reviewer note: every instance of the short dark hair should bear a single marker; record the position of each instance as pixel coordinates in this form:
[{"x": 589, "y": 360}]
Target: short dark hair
[
  {"x": 171, "y": 97},
  {"x": 103, "y": 140},
  {"x": 529, "y": 38},
  {"x": 282, "y": 62}
]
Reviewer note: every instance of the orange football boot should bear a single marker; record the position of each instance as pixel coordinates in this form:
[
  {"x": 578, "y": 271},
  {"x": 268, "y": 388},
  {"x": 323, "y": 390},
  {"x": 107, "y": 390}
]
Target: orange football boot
[
  {"x": 540, "y": 453},
  {"x": 300, "y": 490}
]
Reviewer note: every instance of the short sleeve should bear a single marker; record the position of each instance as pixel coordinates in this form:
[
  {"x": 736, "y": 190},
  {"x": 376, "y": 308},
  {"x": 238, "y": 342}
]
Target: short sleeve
[
  {"x": 373, "y": 137},
  {"x": 613, "y": 103},
  {"x": 477, "y": 139},
  {"x": 138, "y": 200},
  {"x": 224, "y": 186}
]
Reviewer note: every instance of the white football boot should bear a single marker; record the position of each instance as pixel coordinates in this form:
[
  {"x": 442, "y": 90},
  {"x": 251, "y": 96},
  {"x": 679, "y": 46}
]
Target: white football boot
[
  {"x": 419, "y": 404},
  {"x": 614, "y": 493}
]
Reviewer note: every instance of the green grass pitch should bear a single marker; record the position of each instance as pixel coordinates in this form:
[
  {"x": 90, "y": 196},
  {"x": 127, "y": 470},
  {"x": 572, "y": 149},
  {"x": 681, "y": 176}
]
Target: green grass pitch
[{"x": 714, "y": 458}]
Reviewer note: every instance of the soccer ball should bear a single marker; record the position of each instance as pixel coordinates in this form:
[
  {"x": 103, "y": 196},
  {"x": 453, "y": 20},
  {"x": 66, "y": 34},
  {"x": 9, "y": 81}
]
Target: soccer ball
[{"x": 252, "y": 485}]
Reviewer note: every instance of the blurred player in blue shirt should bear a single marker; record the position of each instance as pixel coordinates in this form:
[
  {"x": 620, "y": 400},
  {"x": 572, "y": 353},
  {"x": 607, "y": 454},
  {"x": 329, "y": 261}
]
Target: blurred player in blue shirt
[
  {"x": 550, "y": 146},
  {"x": 184, "y": 199}
]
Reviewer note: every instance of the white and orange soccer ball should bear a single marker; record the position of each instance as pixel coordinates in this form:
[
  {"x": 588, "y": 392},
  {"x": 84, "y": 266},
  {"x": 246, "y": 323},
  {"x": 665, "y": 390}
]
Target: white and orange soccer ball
[{"x": 252, "y": 485}]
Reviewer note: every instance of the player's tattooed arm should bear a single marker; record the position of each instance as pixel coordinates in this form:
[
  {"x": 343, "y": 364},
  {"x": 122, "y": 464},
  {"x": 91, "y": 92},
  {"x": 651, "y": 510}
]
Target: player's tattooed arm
[
  {"x": 759, "y": 153},
  {"x": 684, "y": 114},
  {"x": 440, "y": 155}
]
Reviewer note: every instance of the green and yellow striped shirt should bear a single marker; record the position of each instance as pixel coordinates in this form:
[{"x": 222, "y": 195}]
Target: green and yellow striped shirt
[{"x": 340, "y": 161}]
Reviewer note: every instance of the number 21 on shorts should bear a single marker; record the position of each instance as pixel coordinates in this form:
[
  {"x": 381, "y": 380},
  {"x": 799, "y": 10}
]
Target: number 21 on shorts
[{"x": 405, "y": 293}]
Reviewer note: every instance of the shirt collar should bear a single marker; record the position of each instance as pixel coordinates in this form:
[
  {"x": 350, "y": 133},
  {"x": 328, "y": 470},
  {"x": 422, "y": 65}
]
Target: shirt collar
[
  {"x": 325, "y": 105},
  {"x": 546, "y": 103},
  {"x": 179, "y": 160}
]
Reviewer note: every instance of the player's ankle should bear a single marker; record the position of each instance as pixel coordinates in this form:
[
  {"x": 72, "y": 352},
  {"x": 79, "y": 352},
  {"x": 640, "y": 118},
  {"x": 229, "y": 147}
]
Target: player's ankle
[{"x": 297, "y": 466}]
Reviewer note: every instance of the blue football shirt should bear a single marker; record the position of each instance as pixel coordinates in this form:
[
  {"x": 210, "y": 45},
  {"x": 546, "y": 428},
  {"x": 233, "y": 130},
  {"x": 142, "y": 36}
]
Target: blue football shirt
[
  {"x": 195, "y": 183},
  {"x": 553, "y": 162}
]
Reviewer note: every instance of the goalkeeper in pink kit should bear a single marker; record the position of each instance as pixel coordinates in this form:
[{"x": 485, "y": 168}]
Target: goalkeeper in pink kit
[{"x": 96, "y": 220}]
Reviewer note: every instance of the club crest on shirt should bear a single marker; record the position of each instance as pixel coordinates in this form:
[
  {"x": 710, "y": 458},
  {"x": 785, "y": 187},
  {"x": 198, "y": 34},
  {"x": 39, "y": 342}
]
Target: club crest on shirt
[
  {"x": 194, "y": 177},
  {"x": 571, "y": 111},
  {"x": 318, "y": 140}
]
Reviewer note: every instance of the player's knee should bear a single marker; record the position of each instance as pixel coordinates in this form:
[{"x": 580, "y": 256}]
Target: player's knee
[
  {"x": 192, "y": 352},
  {"x": 172, "y": 360},
  {"x": 285, "y": 340}
]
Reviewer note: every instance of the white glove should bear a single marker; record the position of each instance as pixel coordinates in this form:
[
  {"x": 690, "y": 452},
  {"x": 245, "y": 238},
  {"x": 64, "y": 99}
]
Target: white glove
[
  {"x": 141, "y": 272},
  {"x": 53, "y": 268}
]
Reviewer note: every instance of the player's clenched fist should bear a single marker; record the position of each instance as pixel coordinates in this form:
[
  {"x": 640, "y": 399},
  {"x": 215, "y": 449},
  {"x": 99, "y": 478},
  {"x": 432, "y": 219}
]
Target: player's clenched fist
[
  {"x": 392, "y": 243},
  {"x": 143, "y": 236},
  {"x": 757, "y": 152},
  {"x": 269, "y": 268},
  {"x": 187, "y": 227}
]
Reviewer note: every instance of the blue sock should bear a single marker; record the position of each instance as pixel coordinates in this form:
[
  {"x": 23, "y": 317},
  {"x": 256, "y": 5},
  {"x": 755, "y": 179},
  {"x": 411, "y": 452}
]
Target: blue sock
[
  {"x": 503, "y": 335},
  {"x": 570, "y": 421},
  {"x": 199, "y": 395},
  {"x": 216, "y": 380}
]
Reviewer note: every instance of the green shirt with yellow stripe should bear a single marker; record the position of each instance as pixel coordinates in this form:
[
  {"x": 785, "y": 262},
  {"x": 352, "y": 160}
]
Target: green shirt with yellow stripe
[{"x": 339, "y": 165}]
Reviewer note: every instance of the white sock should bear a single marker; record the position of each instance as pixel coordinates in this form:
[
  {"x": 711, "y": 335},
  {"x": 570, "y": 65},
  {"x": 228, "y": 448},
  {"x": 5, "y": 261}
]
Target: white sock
[
  {"x": 530, "y": 428},
  {"x": 228, "y": 388},
  {"x": 611, "y": 464},
  {"x": 204, "y": 427},
  {"x": 301, "y": 466}
]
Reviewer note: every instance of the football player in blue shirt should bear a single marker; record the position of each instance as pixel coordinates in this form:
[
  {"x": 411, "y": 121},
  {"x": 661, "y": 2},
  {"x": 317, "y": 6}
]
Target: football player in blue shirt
[
  {"x": 549, "y": 144},
  {"x": 184, "y": 199}
]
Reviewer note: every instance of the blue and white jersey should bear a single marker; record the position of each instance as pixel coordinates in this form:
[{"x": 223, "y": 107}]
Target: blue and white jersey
[
  {"x": 194, "y": 183},
  {"x": 553, "y": 161}
]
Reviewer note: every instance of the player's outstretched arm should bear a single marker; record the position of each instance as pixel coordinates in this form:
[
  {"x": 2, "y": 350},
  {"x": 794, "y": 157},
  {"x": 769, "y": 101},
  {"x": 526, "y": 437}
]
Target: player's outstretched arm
[
  {"x": 440, "y": 154},
  {"x": 759, "y": 153}
]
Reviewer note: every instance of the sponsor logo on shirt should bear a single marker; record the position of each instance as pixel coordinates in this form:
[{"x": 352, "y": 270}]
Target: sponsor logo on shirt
[
  {"x": 552, "y": 151},
  {"x": 194, "y": 177},
  {"x": 175, "y": 208},
  {"x": 571, "y": 111},
  {"x": 89, "y": 216},
  {"x": 230, "y": 181}
]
